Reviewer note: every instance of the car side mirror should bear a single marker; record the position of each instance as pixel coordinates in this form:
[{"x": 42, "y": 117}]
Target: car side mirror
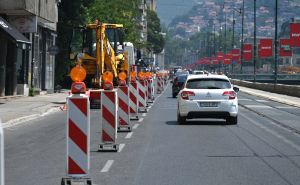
[{"x": 236, "y": 89}]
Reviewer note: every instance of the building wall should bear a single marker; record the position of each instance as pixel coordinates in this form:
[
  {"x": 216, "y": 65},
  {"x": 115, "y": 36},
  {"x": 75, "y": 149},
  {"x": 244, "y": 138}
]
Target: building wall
[{"x": 35, "y": 67}]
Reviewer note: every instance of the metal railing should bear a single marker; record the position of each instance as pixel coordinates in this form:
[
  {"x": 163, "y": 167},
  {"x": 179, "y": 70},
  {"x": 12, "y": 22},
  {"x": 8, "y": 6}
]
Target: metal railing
[{"x": 266, "y": 77}]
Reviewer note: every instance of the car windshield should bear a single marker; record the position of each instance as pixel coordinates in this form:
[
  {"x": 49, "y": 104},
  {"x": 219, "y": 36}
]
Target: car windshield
[
  {"x": 182, "y": 78},
  {"x": 208, "y": 84}
]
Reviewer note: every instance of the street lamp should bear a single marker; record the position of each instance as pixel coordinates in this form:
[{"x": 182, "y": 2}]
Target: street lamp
[
  {"x": 254, "y": 44},
  {"x": 242, "y": 41},
  {"x": 276, "y": 42}
]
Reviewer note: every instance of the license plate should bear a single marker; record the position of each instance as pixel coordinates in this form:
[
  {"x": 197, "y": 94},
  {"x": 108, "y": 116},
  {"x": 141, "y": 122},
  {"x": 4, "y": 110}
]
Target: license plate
[{"x": 209, "y": 104}]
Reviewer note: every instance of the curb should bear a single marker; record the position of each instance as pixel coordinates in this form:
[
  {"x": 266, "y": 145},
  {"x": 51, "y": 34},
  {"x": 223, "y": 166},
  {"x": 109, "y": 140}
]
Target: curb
[
  {"x": 279, "y": 100},
  {"x": 20, "y": 120}
]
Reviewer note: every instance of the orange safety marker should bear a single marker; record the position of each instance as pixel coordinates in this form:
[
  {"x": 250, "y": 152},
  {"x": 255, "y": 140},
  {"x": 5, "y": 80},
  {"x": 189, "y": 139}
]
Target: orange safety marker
[
  {"x": 123, "y": 100},
  {"x": 78, "y": 132},
  {"x": 109, "y": 110}
]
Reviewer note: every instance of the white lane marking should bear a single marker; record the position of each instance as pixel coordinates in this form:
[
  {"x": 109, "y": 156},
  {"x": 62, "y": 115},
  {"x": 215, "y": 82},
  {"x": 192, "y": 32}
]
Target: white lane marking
[
  {"x": 144, "y": 114},
  {"x": 107, "y": 166},
  {"x": 121, "y": 147},
  {"x": 284, "y": 107},
  {"x": 274, "y": 133},
  {"x": 129, "y": 135},
  {"x": 140, "y": 120},
  {"x": 244, "y": 99},
  {"x": 259, "y": 106},
  {"x": 263, "y": 101},
  {"x": 149, "y": 107},
  {"x": 136, "y": 125}
]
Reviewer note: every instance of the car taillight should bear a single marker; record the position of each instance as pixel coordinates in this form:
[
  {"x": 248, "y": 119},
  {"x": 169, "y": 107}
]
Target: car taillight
[
  {"x": 230, "y": 94},
  {"x": 186, "y": 94}
]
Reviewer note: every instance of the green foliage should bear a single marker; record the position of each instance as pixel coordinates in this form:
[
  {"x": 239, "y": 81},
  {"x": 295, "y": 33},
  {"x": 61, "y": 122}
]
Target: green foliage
[
  {"x": 118, "y": 12},
  {"x": 154, "y": 37},
  {"x": 70, "y": 14}
]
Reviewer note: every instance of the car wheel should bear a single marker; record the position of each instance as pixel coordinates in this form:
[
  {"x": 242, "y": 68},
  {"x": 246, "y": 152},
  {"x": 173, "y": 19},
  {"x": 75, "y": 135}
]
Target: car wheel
[
  {"x": 232, "y": 120},
  {"x": 180, "y": 119}
]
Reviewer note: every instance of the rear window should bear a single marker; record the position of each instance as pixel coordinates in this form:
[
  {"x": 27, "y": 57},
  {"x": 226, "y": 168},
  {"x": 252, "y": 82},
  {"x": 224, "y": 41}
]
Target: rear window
[
  {"x": 181, "y": 78},
  {"x": 208, "y": 84}
]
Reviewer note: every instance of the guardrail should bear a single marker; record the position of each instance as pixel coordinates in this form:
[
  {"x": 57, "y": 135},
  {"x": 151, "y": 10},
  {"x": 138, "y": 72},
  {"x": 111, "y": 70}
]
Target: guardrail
[
  {"x": 291, "y": 90},
  {"x": 266, "y": 77}
]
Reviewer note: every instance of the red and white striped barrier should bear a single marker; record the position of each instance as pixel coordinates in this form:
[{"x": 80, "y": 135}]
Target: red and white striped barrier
[
  {"x": 109, "y": 108},
  {"x": 133, "y": 103},
  {"x": 159, "y": 85},
  {"x": 78, "y": 139},
  {"x": 142, "y": 95},
  {"x": 150, "y": 89},
  {"x": 123, "y": 111}
]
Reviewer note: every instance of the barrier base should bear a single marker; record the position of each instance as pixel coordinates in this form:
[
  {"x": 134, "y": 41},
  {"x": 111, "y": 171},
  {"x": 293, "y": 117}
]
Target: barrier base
[
  {"x": 76, "y": 181},
  {"x": 134, "y": 118},
  {"x": 124, "y": 128},
  {"x": 143, "y": 110},
  {"x": 108, "y": 147}
]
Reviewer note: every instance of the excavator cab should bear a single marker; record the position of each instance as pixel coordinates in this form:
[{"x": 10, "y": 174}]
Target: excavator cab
[{"x": 99, "y": 48}]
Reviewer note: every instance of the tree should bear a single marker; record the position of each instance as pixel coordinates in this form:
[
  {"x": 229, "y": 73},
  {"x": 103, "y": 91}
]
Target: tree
[
  {"x": 70, "y": 14},
  {"x": 154, "y": 37},
  {"x": 118, "y": 12}
]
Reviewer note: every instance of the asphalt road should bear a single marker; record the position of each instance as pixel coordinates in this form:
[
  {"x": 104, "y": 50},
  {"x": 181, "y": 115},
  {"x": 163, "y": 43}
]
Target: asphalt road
[{"x": 263, "y": 149}]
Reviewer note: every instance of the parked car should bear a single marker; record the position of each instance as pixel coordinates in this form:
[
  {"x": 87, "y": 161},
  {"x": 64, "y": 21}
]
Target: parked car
[
  {"x": 208, "y": 96},
  {"x": 178, "y": 84}
]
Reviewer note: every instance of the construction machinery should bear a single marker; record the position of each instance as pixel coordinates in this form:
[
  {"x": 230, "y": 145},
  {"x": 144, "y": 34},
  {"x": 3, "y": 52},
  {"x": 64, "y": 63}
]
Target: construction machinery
[{"x": 99, "y": 48}]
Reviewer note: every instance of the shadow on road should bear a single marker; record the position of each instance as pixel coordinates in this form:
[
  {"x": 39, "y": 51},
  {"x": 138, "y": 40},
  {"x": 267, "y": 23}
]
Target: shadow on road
[{"x": 197, "y": 122}]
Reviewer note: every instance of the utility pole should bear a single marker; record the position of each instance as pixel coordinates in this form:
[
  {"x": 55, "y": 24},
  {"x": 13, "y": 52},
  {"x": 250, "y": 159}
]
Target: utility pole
[
  {"x": 254, "y": 44},
  {"x": 232, "y": 44},
  {"x": 242, "y": 41},
  {"x": 276, "y": 42}
]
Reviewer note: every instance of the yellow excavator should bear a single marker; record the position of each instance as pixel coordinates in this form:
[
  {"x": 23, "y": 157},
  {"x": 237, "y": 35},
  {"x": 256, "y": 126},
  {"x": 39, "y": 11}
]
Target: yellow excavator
[{"x": 98, "y": 48}]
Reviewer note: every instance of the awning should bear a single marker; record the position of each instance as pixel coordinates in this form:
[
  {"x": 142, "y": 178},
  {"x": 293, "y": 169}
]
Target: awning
[{"x": 13, "y": 32}]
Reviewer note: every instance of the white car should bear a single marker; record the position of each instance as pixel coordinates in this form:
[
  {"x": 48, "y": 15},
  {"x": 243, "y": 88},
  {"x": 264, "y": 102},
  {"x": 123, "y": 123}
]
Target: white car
[{"x": 208, "y": 96}]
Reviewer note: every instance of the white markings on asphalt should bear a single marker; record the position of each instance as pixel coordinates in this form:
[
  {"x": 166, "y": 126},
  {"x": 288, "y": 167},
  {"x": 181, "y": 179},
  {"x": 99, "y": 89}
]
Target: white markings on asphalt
[
  {"x": 121, "y": 147},
  {"x": 150, "y": 107},
  {"x": 259, "y": 106},
  {"x": 136, "y": 125},
  {"x": 107, "y": 166},
  {"x": 144, "y": 114},
  {"x": 140, "y": 120},
  {"x": 129, "y": 135},
  {"x": 274, "y": 133},
  {"x": 244, "y": 99},
  {"x": 263, "y": 101},
  {"x": 284, "y": 107}
]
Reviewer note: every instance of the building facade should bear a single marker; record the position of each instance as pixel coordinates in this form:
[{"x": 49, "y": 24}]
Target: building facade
[{"x": 33, "y": 60}]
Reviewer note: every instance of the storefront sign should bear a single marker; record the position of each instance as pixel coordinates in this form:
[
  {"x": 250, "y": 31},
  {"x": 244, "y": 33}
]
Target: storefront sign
[
  {"x": 24, "y": 23},
  {"x": 248, "y": 52}
]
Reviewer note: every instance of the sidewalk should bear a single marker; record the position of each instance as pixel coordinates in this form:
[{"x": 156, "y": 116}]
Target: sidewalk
[
  {"x": 289, "y": 100},
  {"x": 19, "y": 109}
]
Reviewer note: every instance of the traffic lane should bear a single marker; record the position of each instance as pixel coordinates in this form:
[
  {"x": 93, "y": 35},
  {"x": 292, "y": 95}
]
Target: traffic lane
[
  {"x": 35, "y": 151},
  {"x": 245, "y": 98},
  {"x": 285, "y": 115},
  {"x": 197, "y": 152}
]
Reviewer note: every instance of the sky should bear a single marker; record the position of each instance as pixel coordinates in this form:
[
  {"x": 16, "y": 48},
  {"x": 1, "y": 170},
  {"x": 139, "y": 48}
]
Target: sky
[{"x": 169, "y": 9}]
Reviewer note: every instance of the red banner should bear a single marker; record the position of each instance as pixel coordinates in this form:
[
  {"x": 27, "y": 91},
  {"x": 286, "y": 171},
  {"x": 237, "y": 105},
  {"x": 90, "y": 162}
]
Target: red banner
[
  {"x": 285, "y": 48},
  {"x": 236, "y": 54},
  {"x": 265, "y": 48},
  {"x": 227, "y": 59},
  {"x": 248, "y": 52},
  {"x": 295, "y": 34},
  {"x": 220, "y": 56},
  {"x": 215, "y": 61}
]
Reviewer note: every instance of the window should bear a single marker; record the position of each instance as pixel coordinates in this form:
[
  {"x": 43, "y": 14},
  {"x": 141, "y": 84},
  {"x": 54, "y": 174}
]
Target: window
[{"x": 208, "y": 84}]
